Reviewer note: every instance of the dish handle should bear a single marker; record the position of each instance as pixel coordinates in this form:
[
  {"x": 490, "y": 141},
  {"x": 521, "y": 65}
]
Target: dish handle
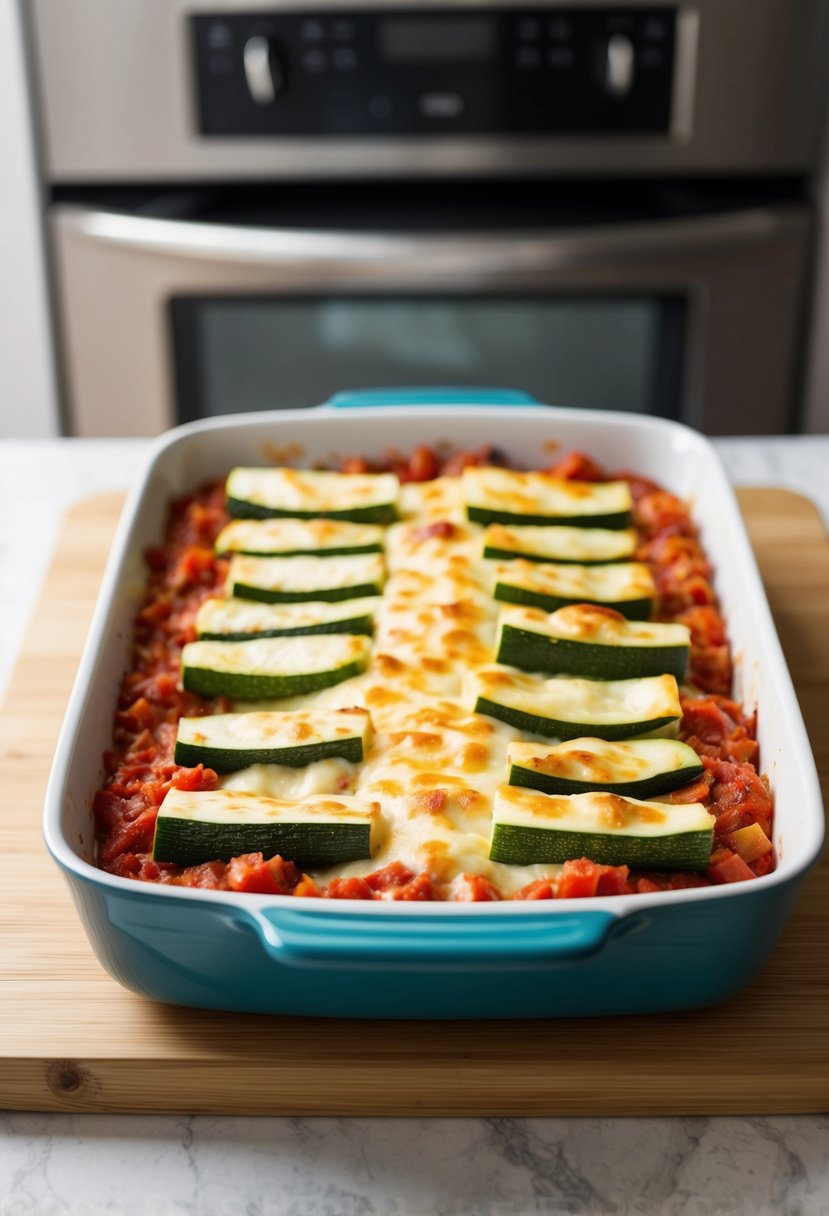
[
  {"x": 432, "y": 395},
  {"x": 308, "y": 939}
]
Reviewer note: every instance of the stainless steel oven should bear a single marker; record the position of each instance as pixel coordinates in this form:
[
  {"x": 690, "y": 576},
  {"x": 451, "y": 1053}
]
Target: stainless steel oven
[{"x": 255, "y": 204}]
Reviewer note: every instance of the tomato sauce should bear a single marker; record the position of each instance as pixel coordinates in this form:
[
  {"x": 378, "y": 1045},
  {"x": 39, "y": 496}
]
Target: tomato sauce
[{"x": 185, "y": 571}]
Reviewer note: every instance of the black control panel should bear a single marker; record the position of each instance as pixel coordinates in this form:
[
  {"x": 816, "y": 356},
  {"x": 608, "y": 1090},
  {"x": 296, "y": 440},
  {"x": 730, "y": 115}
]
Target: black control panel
[{"x": 397, "y": 72}]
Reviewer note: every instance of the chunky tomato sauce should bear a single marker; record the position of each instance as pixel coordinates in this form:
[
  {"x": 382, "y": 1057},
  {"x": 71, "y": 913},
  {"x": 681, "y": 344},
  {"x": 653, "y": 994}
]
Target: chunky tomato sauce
[{"x": 185, "y": 571}]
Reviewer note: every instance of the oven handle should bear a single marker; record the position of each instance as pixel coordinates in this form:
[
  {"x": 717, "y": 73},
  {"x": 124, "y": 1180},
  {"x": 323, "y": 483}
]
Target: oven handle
[
  {"x": 381, "y": 257},
  {"x": 431, "y": 395}
]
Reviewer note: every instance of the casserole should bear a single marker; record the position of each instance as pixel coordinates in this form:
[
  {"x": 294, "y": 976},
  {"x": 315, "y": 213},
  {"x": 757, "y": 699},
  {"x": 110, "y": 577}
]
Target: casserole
[{"x": 650, "y": 952}]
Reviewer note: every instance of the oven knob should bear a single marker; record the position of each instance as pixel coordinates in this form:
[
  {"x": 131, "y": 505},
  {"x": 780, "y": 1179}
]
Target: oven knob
[
  {"x": 619, "y": 65},
  {"x": 263, "y": 73}
]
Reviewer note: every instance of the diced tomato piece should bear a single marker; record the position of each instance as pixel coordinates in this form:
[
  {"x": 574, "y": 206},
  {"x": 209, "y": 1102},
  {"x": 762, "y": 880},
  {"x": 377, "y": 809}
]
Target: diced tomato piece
[
  {"x": 443, "y": 528},
  {"x": 198, "y": 778},
  {"x": 729, "y": 867},
  {"x": 474, "y": 888},
  {"x": 423, "y": 465},
  {"x": 576, "y": 466},
  {"x": 420, "y": 888},
  {"x": 750, "y": 842},
  {"x": 541, "y": 888},
  {"x": 209, "y": 875},
  {"x": 697, "y": 791},
  {"x": 250, "y": 872},
  {"x": 349, "y": 888},
  {"x": 131, "y": 836},
  {"x": 307, "y": 888},
  {"x": 581, "y": 878},
  {"x": 355, "y": 464},
  {"x": 393, "y": 875}
]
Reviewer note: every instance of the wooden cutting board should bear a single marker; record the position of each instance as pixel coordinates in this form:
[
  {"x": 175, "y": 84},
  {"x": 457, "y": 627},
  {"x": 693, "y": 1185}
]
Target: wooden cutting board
[{"x": 72, "y": 1040}]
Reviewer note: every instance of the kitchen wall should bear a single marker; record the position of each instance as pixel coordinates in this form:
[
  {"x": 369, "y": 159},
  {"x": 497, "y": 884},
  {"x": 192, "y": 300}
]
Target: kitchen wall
[{"x": 27, "y": 386}]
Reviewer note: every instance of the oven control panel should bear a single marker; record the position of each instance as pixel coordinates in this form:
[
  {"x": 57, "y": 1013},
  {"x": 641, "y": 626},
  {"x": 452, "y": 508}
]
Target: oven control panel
[{"x": 434, "y": 72}]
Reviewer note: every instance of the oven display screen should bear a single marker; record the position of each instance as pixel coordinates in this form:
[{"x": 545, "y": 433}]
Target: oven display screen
[{"x": 427, "y": 40}]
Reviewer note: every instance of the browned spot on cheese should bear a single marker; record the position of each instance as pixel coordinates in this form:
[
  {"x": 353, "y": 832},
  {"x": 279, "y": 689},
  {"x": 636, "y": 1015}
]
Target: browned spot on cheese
[
  {"x": 475, "y": 757},
  {"x": 469, "y": 800},
  {"x": 428, "y": 802},
  {"x": 415, "y": 738}
]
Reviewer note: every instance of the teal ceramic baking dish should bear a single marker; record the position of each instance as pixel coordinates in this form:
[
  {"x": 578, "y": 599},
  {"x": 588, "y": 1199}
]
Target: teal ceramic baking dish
[{"x": 220, "y": 950}]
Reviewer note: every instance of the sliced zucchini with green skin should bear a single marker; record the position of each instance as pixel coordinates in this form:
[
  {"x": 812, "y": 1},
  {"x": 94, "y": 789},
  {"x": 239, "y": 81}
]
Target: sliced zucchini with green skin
[
  {"x": 642, "y": 768},
  {"x": 293, "y": 580},
  {"x": 236, "y": 620},
  {"x": 270, "y": 668},
  {"x": 215, "y": 825},
  {"x": 504, "y": 496},
  {"x": 254, "y": 493},
  {"x": 230, "y": 742},
  {"x": 625, "y": 587},
  {"x": 299, "y": 538},
  {"x": 531, "y": 828},
  {"x": 568, "y": 708},
  {"x": 587, "y": 640},
  {"x": 584, "y": 546}
]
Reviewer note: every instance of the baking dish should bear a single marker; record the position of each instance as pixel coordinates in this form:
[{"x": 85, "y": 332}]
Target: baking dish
[{"x": 653, "y": 952}]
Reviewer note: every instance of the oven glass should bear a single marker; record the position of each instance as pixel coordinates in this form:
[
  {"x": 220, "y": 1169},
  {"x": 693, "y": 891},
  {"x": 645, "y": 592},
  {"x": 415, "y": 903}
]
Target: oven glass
[{"x": 237, "y": 354}]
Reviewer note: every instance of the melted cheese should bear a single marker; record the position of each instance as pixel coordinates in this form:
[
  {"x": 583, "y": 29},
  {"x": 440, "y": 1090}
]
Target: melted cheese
[
  {"x": 434, "y": 766},
  {"x": 562, "y": 543},
  {"x": 509, "y": 493},
  {"x": 310, "y": 491},
  {"x": 236, "y": 616},
  {"x": 572, "y": 699},
  {"x": 275, "y": 536},
  {"x": 596, "y": 625},
  {"x": 278, "y": 656},
  {"x": 233, "y": 806},
  {"x": 600, "y": 813},
  {"x": 307, "y": 576},
  {"x": 600, "y": 761},
  {"x": 611, "y": 584},
  {"x": 275, "y": 730}
]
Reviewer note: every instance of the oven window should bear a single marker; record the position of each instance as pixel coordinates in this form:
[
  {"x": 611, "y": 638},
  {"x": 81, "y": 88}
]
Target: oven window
[{"x": 236, "y": 354}]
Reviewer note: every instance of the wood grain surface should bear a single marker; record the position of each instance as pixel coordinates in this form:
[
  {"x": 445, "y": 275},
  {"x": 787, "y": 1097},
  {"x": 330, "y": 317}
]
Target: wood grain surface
[{"x": 72, "y": 1040}]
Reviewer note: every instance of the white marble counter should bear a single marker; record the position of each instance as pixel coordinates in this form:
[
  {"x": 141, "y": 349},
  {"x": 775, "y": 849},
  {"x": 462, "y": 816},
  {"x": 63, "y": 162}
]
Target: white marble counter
[{"x": 74, "y": 1165}]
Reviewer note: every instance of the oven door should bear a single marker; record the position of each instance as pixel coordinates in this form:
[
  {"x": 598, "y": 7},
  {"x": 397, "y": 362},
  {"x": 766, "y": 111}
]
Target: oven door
[{"x": 166, "y": 319}]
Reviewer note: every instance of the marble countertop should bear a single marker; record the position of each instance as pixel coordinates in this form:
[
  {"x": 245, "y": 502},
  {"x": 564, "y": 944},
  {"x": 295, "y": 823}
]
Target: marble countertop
[{"x": 123, "y": 1165}]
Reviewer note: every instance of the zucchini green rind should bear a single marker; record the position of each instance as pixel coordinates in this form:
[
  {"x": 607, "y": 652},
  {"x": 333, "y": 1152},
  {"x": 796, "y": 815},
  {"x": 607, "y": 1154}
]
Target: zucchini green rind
[
  {"x": 568, "y": 708},
  {"x": 562, "y": 544},
  {"x": 588, "y": 640},
  {"x": 270, "y": 668},
  {"x": 504, "y": 496},
  {"x": 529, "y": 828},
  {"x": 625, "y": 587},
  {"x": 299, "y": 538},
  {"x": 229, "y": 742},
  {"x": 642, "y": 768},
  {"x": 236, "y": 620},
  {"x": 292, "y": 580},
  {"x": 265, "y": 493},
  {"x": 215, "y": 825}
]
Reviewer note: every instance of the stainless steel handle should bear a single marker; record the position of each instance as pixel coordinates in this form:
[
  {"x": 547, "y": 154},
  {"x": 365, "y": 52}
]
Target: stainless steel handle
[{"x": 382, "y": 256}]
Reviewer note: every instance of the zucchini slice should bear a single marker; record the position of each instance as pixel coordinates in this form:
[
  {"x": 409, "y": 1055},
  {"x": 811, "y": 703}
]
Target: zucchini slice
[
  {"x": 587, "y": 640},
  {"x": 529, "y": 828},
  {"x": 504, "y": 496},
  {"x": 626, "y": 587},
  {"x": 369, "y": 498},
  {"x": 292, "y": 580},
  {"x": 234, "y": 620},
  {"x": 230, "y": 742},
  {"x": 568, "y": 708},
  {"x": 643, "y": 768},
  {"x": 586, "y": 546},
  {"x": 215, "y": 825},
  {"x": 299, "y": 538},
  {"x": 269, "y": 668}
]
